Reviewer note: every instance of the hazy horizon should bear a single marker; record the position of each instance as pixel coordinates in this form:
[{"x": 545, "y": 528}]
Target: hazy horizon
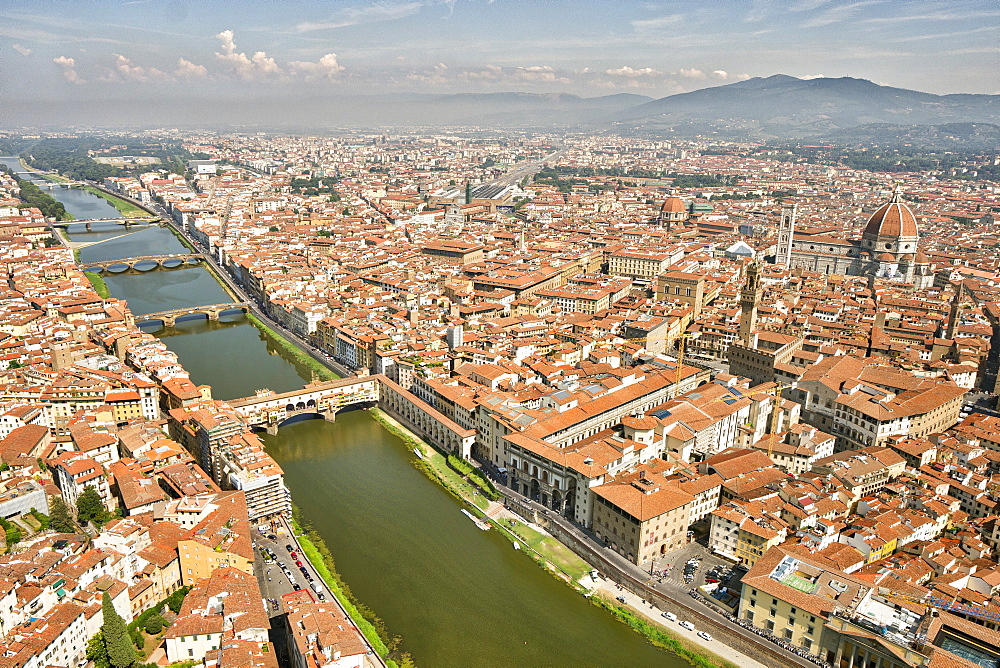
[{"x": 142, "y": 62}]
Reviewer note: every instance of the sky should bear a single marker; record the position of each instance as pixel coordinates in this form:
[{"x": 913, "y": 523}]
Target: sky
[{"x": 89, "y": 55}]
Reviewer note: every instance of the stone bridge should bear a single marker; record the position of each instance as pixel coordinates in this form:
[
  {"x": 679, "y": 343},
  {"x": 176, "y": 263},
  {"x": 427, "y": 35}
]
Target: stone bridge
[
  {"x": 269, "y": 410},
  {"x": 131, "y": 262},
  {"x": 211, "y": 311},
  {"x": 127, "y": 222}
]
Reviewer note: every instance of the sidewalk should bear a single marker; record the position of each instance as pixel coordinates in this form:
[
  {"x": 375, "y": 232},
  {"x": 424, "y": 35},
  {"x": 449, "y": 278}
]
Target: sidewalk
[{"x": 653, "y": 614}]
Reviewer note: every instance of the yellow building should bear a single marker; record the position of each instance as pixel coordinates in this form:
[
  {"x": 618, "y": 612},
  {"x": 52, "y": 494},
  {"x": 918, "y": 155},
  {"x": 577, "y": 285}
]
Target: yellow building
[{"x": 222, "y": 538}]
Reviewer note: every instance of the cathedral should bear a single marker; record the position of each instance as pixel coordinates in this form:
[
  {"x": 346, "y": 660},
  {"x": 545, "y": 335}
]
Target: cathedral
[{"x": 888, "y": 247}]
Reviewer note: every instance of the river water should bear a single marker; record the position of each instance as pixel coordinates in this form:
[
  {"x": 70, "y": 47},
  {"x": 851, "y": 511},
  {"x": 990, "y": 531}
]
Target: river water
[{"x": 457, "y": 595}]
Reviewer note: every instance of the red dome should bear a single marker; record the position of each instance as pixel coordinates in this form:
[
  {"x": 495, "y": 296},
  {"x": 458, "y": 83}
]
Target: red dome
[
  {"x": 673, "y": 205},
  {"x": 894, "y": 220}
]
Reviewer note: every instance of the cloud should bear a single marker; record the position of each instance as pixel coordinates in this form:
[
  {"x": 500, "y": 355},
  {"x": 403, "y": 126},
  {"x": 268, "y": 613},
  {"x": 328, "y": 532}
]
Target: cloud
[
  {"x": 436, "y": 76},
  {"x": 759, "y": 9},
  {"x": 691, "y": 73},
  {"x": 188, "y": 70},
  {"x": 124, "y": 69},
  {"x": 68, "y": 66},
  {"x": 326, "y": 67},
  {"x": 259, "y": 66},
  {"x": 838, "y": 14},
  {"x": 658, "y": 22},
  {"x": 627, "y": 71},
  {"x": 24, "y": 51},
  {"x": 350, "y": 16},
  {"x": 726, "y": 76}
]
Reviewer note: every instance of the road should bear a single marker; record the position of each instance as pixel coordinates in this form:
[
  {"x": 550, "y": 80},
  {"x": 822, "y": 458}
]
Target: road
[
  {"x": 274, "y": 583},
  {"x": 670, "y": 595},
  {"x": 523, "y": 169}
]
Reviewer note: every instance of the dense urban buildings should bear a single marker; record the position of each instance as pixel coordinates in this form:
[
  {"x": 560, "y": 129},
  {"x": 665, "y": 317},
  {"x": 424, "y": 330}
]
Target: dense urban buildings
[{"x": 795, "y": 361}]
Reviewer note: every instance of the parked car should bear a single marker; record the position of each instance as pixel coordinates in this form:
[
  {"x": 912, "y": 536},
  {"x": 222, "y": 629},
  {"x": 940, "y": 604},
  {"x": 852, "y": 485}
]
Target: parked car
[
  {"x": 289, "y": 547},
  {"x": 705, "y": 636},
  {"x": 669, "y": 616},
  {"x": 687, "y": 625}
]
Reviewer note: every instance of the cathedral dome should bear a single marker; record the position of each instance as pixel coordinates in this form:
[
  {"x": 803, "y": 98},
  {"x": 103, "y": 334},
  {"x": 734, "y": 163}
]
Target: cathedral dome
[
  {"x": 886, "y": 257},
  {"x": 673, "y": 205},
  {"x": 894, "y": 220},
  {"x": 921, "y": 258}
]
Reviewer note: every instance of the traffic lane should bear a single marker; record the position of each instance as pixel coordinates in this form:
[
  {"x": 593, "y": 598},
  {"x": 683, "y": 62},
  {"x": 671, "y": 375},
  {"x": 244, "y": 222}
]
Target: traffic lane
[{"x": 295, "y": 579}]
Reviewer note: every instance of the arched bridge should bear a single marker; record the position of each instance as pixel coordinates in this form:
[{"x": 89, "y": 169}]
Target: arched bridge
[
  {"x": 269, "y": 410},
  {"x": 131, "y": 262},
  {"x": 127, "y": 222},
  {"x": 212, "y": 312}
]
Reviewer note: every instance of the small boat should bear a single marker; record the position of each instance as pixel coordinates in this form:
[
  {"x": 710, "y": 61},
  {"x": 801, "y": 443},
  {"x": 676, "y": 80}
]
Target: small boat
[
  {"x": 517, "y": 546},
  {"x": 418, "y": 453},
  {"x": 482, "y": 524}
]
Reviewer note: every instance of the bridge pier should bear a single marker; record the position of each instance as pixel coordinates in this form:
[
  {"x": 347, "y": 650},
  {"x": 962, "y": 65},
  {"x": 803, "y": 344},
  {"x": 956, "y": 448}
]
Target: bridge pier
[
  {"x": 330, "y": 415},
  {"x": 272, "y": 429},
  {"x": 169, "y": 320},
  {"x": 213, "y": 315}
]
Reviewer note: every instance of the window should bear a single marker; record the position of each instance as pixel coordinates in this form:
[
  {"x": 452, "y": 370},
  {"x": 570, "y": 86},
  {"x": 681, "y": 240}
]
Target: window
[
  {"x": 788, "y": 633},
  {"x": 772, "y": 612}
]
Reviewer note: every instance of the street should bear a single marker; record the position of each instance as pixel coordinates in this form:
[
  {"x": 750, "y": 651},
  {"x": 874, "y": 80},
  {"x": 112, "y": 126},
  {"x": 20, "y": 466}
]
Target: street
[{"x": 284, "y": 576}]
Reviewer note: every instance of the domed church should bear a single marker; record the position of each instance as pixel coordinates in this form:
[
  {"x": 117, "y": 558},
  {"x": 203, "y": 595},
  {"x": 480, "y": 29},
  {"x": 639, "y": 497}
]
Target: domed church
[{"x": 888, "y": 248}]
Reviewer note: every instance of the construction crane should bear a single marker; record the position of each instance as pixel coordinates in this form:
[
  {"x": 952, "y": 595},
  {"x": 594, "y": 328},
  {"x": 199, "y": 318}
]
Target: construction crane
[{"x": 934, "y": 603}]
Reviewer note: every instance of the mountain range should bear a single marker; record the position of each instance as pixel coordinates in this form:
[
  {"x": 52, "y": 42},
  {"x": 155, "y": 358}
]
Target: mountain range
[{"x": 782, "y": 106}]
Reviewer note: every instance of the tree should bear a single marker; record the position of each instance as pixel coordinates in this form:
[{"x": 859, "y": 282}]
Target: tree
[
  {"x": 97, "y": 652},
  {"x": 117, "y": 641},
  {"x": 90, "y": 507},
  {"x": 61, "y": 522}
]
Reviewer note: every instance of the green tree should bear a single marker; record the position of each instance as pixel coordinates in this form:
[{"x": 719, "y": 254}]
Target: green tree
[
  {"x": 60, "y": 520},
  {"x": 97, "y": 652},
  {"x": 90, "y": 507},
  {"x": 117, "y": 641}
]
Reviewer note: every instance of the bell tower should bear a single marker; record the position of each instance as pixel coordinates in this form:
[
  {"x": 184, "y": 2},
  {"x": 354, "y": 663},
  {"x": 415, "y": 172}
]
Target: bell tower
[
  {"x": 749, "y": 299},
  {"x": 786, "y": 232}
]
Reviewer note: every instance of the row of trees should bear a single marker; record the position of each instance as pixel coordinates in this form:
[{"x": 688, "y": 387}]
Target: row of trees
[{"x": 34, "y": 196}]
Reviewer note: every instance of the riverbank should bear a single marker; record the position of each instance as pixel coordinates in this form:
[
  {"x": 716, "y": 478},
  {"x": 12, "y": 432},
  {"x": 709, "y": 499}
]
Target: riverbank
[
  {"x": 97, "y": 281},
  {"x": 125, "y": 208},
  {"x": 545, "y": 550},
  {"x": 48, "y": 176},
  {"x": 301, "y": 357},
  {"x": 368, "y": 623}
]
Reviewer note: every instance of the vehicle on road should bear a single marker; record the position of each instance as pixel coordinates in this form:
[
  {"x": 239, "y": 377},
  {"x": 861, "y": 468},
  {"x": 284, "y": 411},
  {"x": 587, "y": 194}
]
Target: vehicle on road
[
  {"x": 705, "y": 636},
  {"x": 687, "y": 625},
  {"x": 669, "y": 616}
]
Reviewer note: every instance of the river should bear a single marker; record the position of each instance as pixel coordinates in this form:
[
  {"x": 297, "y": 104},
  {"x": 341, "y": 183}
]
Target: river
[{"x": 457, "y": 595}]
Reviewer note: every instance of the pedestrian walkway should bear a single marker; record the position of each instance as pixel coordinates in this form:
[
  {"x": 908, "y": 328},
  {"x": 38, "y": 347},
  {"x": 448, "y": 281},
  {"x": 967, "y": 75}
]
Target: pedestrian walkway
[{"x": 654, "y": 614}]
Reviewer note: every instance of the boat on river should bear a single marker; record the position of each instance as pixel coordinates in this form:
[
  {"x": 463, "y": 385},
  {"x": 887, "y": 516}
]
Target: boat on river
[{"x": 482, "y": 524}]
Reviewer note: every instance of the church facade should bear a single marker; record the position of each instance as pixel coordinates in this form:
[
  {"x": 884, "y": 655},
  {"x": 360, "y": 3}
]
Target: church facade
[{"x": 888, "y": 249}]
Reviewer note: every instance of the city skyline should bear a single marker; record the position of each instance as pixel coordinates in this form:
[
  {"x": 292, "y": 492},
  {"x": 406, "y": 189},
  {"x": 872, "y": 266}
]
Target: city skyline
[{"x": 100, "y": 53}]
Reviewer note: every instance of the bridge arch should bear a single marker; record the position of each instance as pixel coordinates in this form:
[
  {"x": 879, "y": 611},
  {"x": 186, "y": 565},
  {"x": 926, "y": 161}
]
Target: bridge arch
[{"x": 301, "y": 416}]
